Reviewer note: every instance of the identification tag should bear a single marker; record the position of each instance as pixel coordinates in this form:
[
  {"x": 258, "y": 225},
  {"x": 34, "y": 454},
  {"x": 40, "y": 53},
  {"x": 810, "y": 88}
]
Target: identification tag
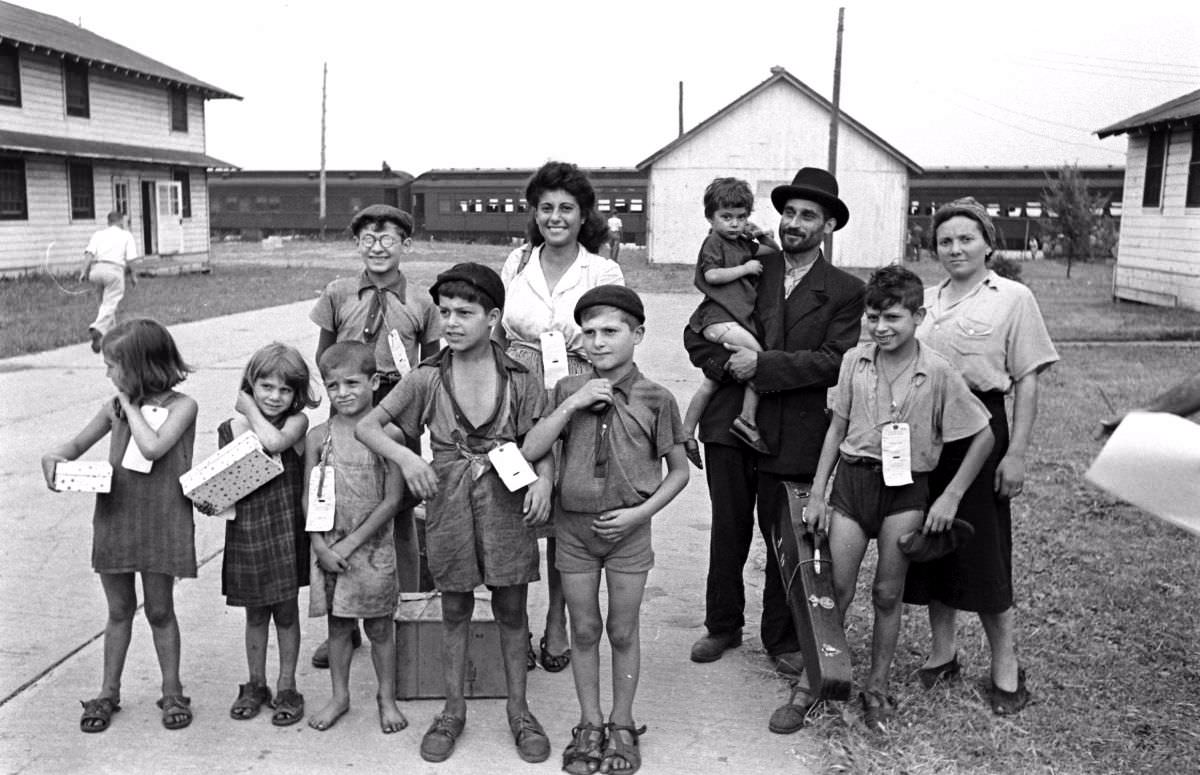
[
  {"x": 134, "y": 460},
  {"x": 399, "y": 353},
  {"x": 511, "y": 465},
  {"x": 319, "y": 518},
  {"x": 554, "y": 358},
  {"x": 897, "y": 454}
]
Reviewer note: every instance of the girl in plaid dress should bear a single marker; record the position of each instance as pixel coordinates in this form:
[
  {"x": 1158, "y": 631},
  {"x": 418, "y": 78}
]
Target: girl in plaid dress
[{"x": 266, "y": 547}]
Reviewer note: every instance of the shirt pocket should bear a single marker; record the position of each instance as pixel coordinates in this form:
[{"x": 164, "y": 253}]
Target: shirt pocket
[{"x": 973, "y": 336}]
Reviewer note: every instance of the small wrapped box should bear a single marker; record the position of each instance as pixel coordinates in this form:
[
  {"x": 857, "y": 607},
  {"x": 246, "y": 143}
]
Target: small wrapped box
[
  {"x": 83, "y": 476},
  {"x": 419, "y": 649},
  {"x": 230, "y": 474}
]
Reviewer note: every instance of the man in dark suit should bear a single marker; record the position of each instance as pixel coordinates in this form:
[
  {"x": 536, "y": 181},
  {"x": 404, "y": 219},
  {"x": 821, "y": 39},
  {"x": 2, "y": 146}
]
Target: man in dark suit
[{"x": 808, "y": 314}]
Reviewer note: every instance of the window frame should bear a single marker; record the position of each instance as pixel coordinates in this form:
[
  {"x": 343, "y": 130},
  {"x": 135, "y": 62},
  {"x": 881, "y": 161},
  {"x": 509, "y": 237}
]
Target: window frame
[
  {"x": 10, "y": 53},
  {"x": 1155, "y": 169},
  {"x": 81, "y": 211},
  {"x": 183, "y": 177},
  {"x": 75, "y": 70},
  {"x": 1192, "y": 192},
  {"x": 16, "y": 166},
  {"x": 177, "y": 107}
]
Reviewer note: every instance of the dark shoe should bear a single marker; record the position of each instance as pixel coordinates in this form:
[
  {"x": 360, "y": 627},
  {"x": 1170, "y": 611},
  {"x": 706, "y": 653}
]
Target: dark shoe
[
  {"x": 748, "y": 434},
  {"x": 439, "y": 739},
  {"x": 251, "y": 697},
  {"x": 710, "y": 647},
  {"x": 97, "y": 714},
  {"x": 289, "y": 708},
  {"x": 946, "y": 673},
  {"x": 320, "y": 657},
  {"x": 533, "y": 745},
  {"x": 96, "y": 337},
  {"x": 789, "y": 718},
  {"x": 552, "y": 663},
  {"x": 789, "y": 663},
  {"x": 584, "y": 754},
  {"x": 691, "y": 448},
  {"x": 1008, "y": 703},
  {"x": 878, "y": 710}
]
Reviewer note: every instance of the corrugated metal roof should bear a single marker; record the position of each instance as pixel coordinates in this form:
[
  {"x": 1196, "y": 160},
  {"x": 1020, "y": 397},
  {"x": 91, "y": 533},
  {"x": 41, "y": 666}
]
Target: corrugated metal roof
[
  {"x": 26, "y": 142},
  {"x": 779, "y": 74},
  {"x": 43, "y": 31},
  {"x": 1166, "y": 114}
]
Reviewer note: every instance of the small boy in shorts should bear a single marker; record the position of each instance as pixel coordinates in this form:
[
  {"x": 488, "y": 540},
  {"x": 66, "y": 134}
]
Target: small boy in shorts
[
  {"x": 726, "y": 273},
  {"x": 354, "y": 562},
  {"x": 896, "y": 403},
  {"x": 617, "y": 427},
  {"x": 472, "y": 398},
  {"x": 401, "y": 328}
]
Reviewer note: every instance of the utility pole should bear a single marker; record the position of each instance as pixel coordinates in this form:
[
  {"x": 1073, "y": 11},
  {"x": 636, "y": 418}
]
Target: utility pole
[
  {"x": 321, "y": 177},
  {"x": 681, "y": 108},
  {"x": 835, "y": 115}
]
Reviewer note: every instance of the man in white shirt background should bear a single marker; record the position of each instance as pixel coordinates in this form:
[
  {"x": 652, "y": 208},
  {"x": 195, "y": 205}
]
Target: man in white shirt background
[{"x": 106, "y": 262}]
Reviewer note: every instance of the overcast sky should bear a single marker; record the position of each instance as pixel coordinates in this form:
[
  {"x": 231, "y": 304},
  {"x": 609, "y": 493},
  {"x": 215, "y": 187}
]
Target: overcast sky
[{"x": 479, "y": 83}]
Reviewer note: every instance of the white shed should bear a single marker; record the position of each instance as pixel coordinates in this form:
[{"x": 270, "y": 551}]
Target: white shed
[
  {"x": 764, "y": 137},
  {"x": 1158, "y": 259}
]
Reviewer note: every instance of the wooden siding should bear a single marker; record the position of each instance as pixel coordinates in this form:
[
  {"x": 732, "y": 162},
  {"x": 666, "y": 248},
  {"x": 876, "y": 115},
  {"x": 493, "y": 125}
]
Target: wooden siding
[
  {"x": 765, "y": 141},
  {"x": 1158, "y": 259},
  {"x": 123, "y": 109},
  {"x": 23, "y": 244}
]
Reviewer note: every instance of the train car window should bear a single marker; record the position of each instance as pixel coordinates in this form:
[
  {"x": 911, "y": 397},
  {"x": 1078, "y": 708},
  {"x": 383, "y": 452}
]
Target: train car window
[
  {"x": 914, "y": 207},
  {"x": 1014, "y": 211},
  {"x": 1114, "y": 208},
  {"x": 522, "y": 206},
  {"x": 508, "y": 205},
  {"x": 356, "y": 204},
  {"x": 993, "y": 209},
  {"x": 274, "y": 204},
  {"x": 260, "y": 203},
  {"x": 621, "y": 206},
  {"x": 464, "y": 205},
  {"x": 605, "y": 205},
  {"x": 1033, "y": 209},
  {"x": 444, "y": 205},
  {"x": 243, "y": 205},
  {"x": 493, "y": 205},
  {"x": 636, "y": 205},
  {"x": 477, "y": 206}
]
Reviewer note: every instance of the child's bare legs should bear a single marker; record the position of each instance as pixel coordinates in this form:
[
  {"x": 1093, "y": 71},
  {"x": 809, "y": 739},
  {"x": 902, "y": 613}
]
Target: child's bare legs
[
  {"x": 457, "y": 608},
  {"x": 159, "y": 592},
  {"x": 696, "y": 407},
  {"x": 582, "y": 591},
  {"x": 381, "y": 631},
  {"x": 556, "y": 606},
  {"x": 624, "y": 617},
  {"x": 121, "y": 596},
  {"x": 736, "y": 335},
  {"x": 886, "y": 594},
  {"x": 847, "y": 545},
  {"x": 258, "y": 622},
  {"x": 340, "y": 653},
  {"x": 508, "y": 606},
  {"x": 287, "y": 632}
]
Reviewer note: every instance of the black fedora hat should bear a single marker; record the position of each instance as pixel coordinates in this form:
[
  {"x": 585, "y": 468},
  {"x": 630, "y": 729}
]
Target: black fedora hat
[{"x": 817, "y": 185}]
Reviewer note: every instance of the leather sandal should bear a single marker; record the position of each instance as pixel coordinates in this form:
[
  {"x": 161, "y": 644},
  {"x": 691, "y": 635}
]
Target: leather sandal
[
  {"x": 176, "y": 711},
  {"x": 98, "y": 713},
  {"x": 584, "y": 754},
  {"x": 616, "y": 748},
  {"x": 289, "y": 708},
  {"x": 251, "y": 697},
  {"x": 553, "y": 663}
]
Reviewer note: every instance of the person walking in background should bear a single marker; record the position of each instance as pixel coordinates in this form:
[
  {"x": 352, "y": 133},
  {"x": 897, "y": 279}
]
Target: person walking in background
[
  {"x": 614, "y": 236},
  {"x": 105, "y": 264}
]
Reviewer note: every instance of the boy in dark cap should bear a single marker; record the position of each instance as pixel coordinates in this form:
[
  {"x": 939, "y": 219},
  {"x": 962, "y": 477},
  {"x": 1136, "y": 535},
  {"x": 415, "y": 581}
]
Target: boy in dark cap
[
  {"x": 403, "y": 329},
  {"x": 617, "y": 427},
  {"x": 472, "y": 398}
]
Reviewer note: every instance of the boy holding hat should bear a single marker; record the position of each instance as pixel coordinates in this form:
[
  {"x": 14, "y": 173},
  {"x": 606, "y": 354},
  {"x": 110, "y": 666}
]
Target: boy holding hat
[
  {"x": 617, "y": 428},
  {"x": 472, "y": 398}
]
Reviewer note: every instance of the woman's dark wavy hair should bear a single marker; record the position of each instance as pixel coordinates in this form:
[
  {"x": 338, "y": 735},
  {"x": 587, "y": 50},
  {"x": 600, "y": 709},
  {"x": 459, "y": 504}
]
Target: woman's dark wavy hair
[
  {"x": 563, "y": 176},
  {"x": 149, "y": 360}
]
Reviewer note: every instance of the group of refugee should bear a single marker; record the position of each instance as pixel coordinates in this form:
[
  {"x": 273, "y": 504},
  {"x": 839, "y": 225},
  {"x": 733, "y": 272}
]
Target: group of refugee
[{"x": 903, "y": 437}]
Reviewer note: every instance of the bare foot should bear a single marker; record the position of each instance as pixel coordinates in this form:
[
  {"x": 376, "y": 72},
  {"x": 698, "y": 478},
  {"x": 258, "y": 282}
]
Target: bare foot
[
  {"x": 327, "y": 716},
  {"x": 390, "y": 718}
]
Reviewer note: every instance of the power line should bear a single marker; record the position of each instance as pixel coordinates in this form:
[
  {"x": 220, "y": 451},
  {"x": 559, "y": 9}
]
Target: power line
[
  {"x": 1038, "y": 134},
  {"x": 1126, "y": 61},
  {"x": 1108, "y": 74},
  {"x": 1019, "y": 113}
]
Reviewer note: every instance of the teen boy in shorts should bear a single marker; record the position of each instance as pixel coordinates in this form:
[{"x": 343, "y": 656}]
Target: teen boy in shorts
[
  {"x": 895, "y": 400},
  {"x": 375, "y": 308},
  {"x": 617, "y": 427},
  {"x": 472, "y": 398}
]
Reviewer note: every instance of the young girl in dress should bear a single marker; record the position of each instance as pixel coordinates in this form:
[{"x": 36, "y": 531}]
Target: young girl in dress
[
  {"x": 266, "y": 547},
  {"x": 144, "y": 525}
]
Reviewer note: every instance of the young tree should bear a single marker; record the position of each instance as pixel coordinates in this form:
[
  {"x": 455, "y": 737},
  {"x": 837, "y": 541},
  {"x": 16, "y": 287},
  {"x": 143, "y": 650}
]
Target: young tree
[{"x": 1074, "y": 213}]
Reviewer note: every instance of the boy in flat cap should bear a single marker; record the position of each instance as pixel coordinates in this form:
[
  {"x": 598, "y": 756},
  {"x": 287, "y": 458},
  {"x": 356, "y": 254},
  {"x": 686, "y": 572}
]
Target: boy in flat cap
[
  {"x": 472, "y": 398},
  {"x": 375, "y": 308},
  {"x": 617, "y": 427}
]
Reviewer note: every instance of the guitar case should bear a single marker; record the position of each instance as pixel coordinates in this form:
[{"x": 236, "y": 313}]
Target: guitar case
[{"x": 808, "y": 579}]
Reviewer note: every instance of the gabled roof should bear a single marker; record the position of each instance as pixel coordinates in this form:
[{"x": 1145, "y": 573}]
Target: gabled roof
[
  {"x": 779, "y": 74},
  {"x": 53, "y": 145},
  {"x": 43, "y": 32},
  {"x": 1167, "y": 114}
]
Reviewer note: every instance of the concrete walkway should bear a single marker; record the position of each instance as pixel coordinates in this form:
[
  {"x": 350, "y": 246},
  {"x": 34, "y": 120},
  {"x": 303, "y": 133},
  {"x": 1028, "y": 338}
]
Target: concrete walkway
[{"x": 702, "y": 718}]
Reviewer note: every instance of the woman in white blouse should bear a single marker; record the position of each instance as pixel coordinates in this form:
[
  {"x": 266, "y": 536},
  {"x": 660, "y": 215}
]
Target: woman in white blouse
[{"x": 543, "y": 280}]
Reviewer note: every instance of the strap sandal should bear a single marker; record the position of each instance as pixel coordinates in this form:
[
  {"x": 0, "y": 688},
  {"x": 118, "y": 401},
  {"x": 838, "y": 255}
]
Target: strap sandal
[
  {"x": 790, "y": 716},
  {"x": 616, "y": 748},
  {"x": 747, "y": 433},
  {"x": 1008, "y": 703},
  {"x": 945, "y": 673},
  {"x": 289, "y": 708},
  {"x": 584, "y": 754},
  {"x": 97, "y": 714},
  {"x": 533, "y": 745},
  {"x": 552, "y": 663},
  {"x": 251, "y": 697},
  {"x": 691, "y": 448},
  {"x": 176, "y": 711},
  {"x": 878, "y": 709}
]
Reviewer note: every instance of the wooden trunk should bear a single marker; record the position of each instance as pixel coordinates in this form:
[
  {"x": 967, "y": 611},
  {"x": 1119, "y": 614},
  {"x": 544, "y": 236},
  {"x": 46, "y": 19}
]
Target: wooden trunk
[{"x": 809, "y": 585}]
